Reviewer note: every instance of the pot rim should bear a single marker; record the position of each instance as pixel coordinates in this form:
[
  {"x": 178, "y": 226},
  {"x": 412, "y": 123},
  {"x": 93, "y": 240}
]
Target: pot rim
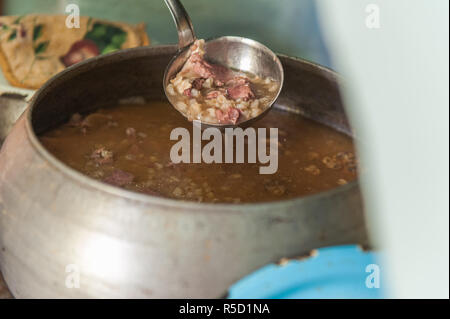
[{"x": 81, "y": 178}]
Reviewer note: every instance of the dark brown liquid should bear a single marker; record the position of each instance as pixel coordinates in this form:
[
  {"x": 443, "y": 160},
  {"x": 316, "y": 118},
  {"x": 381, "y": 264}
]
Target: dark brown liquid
[{"x": 312, "y": 157}]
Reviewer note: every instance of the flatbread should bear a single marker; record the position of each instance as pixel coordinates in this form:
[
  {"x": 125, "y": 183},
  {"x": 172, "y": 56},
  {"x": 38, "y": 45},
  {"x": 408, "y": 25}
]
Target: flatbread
[{"x": 33, "y": 48}]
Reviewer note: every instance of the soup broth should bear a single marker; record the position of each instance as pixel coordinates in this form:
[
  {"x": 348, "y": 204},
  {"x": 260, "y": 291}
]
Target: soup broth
[{"x": 129, "y": 146}]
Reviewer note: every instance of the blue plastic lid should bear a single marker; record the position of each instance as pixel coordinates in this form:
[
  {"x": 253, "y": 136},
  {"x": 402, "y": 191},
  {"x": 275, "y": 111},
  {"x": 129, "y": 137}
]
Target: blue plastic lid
[{"x": 334, "y": 272}]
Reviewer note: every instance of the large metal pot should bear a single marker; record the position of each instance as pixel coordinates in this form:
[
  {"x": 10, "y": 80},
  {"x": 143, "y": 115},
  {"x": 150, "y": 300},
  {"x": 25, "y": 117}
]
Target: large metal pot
[{"x": 58, "y": 226}]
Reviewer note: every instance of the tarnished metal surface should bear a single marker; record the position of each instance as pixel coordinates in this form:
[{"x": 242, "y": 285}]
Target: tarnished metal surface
[
  {"x": 186, "y": 34},
  {"x": 11, "y": 107},
  {"x": 57, "y": 225}
]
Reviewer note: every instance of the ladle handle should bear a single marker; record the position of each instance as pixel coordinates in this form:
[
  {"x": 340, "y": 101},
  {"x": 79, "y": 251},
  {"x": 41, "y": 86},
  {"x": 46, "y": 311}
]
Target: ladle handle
[{"x": 186, "y": 34}]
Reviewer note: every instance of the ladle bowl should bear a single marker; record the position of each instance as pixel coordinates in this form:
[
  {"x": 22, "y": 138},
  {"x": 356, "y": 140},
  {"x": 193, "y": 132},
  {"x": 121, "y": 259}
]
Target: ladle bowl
[{"x": 233, "y": 52}]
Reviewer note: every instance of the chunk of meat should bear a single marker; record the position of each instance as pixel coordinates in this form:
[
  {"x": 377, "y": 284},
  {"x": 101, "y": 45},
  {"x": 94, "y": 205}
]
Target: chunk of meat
[
  {"x": 102, "y": 156},
  {"x": 220, "y": 74},
  {"x": 233, "y": 114},
  {"x": 215, "y": 94},
  {"x": 198, "y": 83},
  {"x": 230, "y": 116},
  {"x": 197, "y": 67},
  {"x": 240, "y": 91},
  {"x": 187, "y": 92},
  {"x": 119, "y": 178},
  {"x": 201, "y": 67}
]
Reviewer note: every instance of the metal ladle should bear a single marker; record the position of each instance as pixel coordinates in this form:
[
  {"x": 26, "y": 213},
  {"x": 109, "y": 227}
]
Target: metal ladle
[{"x": 236, "y": 53}]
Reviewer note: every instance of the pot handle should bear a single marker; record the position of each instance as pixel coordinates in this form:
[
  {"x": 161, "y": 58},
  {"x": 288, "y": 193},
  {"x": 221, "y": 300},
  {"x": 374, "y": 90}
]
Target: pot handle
[{"x": 186, "y": 34}]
